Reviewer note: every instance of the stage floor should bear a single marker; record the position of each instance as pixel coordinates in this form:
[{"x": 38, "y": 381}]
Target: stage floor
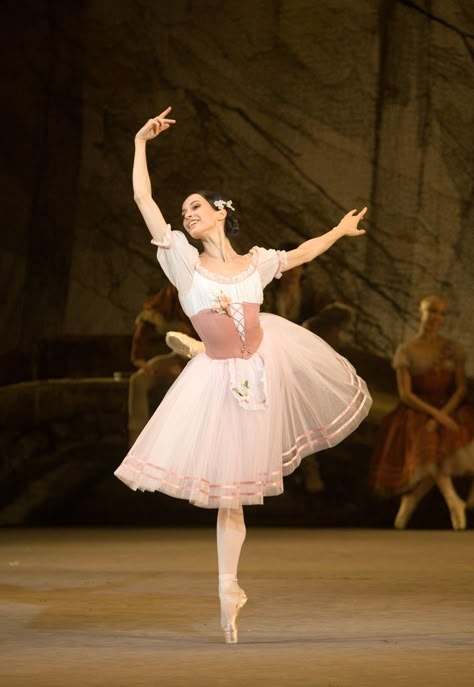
[{"x": 332, "y": 608}]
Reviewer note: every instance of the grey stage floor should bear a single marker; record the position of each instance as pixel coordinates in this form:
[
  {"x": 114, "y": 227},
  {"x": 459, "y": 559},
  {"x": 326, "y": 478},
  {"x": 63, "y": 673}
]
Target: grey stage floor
[{"x": 334, "y": 608}]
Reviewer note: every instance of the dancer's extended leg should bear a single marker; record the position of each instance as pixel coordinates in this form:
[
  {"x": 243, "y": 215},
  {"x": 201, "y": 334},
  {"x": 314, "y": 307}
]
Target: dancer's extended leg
[
  {"x": 183, "y": 344},
  {"x": 230, "y": 537}
]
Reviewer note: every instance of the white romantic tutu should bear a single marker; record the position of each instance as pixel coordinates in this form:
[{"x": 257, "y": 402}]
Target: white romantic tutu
[{"x": 211, "y": 444}]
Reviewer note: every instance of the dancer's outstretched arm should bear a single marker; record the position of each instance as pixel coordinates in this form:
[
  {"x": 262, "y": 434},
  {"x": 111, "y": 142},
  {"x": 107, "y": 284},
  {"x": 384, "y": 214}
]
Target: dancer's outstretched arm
[
  {"x": 314, "y": 247},
  {"x": 141, "y": 180}
]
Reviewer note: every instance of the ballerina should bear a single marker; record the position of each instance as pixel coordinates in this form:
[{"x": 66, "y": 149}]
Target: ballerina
[
  {"x": 263, "y": 393},
  {"x": 428, "y": 438}
]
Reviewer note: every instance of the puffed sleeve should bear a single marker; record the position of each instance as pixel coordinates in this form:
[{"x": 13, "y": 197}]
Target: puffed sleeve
[
  {"x": 177, "y": 258},
  {"x": 401, "y": 357},
  {"x": 270, "y": 263}
]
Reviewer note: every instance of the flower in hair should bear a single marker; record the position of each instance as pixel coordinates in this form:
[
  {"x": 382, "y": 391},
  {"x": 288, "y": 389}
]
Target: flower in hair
[{"x": 221, "y": 204}]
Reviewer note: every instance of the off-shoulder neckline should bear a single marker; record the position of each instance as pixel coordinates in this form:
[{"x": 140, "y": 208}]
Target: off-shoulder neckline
[{"x": 230, "y": 278}]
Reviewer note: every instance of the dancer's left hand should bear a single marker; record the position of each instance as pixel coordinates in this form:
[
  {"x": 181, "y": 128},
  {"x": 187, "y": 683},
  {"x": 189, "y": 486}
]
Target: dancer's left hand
[
  {"x": 349, "y": 223},
  {"x": 155, "y": 126}
]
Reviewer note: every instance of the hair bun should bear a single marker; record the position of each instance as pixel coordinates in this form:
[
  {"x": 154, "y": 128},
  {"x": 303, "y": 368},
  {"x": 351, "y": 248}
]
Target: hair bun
[{"x": 231, "y": 225}]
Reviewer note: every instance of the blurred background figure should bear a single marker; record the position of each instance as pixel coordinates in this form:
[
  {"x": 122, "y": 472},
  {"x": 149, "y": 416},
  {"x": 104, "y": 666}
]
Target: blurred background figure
[
  {"x": 157, "y": 367},
  {"x": 330, "y": 322},
  {"x": 428, "y": 438}
]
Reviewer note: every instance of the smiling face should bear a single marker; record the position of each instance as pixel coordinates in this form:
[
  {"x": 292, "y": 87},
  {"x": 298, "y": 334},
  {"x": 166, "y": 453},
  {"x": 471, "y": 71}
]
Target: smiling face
[
  {"x": 199, "y": 217},
  {"x": 433, "y": 311}
]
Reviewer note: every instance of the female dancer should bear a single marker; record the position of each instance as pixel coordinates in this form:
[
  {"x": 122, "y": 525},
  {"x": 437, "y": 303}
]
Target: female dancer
[
  {"x": 429, "y": 436},
  {"x": 264, "y": 394}
]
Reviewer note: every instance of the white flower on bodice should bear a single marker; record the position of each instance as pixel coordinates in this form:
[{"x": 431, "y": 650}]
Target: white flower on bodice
[
  {"x": 242, "y": 389},
  {"x": 221, "y": 304}
]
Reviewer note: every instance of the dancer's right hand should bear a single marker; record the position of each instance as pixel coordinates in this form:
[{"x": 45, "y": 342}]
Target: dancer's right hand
[
  {"x": 446, "y": 421},
  {"x": 155, "y": 126},
  {"x": 349, "y": 223}
]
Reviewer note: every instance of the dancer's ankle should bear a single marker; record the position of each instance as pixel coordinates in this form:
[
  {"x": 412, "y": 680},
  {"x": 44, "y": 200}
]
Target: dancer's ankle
[{"x": 228, "y": 582}]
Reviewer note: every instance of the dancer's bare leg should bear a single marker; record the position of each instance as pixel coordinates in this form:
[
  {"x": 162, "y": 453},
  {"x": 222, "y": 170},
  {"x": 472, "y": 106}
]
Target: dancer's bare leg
[
  {"x": 457, "y": 507},
  {"x": 410, "y": 502},
  {"x": 230, "y": 537}
]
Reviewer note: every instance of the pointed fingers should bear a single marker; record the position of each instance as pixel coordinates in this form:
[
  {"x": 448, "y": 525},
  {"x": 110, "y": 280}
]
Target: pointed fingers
[{"x": 165, "y": 112}]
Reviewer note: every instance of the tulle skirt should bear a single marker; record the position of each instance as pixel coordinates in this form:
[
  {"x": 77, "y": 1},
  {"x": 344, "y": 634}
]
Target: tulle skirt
[{"x": 228, "y": 430}]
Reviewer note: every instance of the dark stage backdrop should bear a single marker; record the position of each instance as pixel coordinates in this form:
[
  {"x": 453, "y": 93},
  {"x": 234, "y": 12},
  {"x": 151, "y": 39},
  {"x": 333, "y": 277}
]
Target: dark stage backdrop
[{"x": 298, "y": 110}]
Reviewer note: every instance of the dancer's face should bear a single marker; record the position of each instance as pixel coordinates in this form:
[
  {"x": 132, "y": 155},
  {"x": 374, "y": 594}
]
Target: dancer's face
[
  {"x": 433, "y": 311},
  {"x": 199, "y": 217}
]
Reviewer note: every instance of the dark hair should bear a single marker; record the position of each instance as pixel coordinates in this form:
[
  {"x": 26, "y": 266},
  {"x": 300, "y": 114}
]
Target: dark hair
[{"x": 231, "y": 226}]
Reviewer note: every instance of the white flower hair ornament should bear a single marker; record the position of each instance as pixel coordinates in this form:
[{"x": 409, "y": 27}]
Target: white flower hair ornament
[{"x": 224, "y": 204}]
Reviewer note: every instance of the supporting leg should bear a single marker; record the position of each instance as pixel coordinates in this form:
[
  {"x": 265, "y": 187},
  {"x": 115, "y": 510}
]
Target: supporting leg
[{"x": 230, "y": 537}]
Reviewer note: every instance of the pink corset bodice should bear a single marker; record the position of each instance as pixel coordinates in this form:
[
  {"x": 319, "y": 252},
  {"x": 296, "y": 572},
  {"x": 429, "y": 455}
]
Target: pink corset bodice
[{"x": 233, "y": 334}]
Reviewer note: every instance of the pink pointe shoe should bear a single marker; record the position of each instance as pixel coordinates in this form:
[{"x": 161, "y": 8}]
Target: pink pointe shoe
[{"x": 231, "y": 603}]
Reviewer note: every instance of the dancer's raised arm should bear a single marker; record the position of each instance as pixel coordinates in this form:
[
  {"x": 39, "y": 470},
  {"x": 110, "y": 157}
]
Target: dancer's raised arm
[
  {"x": 309, "y": 250},
  {"x": 141, "y": 180}
]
